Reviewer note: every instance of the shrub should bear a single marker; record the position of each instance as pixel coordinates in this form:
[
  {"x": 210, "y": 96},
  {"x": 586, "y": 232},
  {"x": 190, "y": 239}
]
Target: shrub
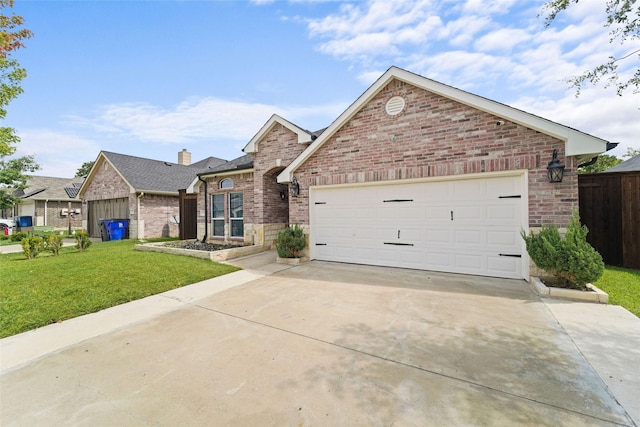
[
  {"x": 572, "y": 259},
  {"x": 53, "y": 242},
  {"x": 17, "y": 237},
  {"x": 32, "y": 246},
  {"x": 290, "y": 241},
  {"x": 82, "y": 240}
]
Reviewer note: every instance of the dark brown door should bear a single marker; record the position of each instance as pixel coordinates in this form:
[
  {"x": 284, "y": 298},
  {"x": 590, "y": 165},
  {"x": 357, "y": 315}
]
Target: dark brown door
[{"x": 188, "y": 216}]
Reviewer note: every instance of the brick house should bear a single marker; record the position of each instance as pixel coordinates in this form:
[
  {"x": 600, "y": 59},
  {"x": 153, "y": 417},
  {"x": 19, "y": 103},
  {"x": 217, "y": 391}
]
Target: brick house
[
  {"x": 143, "y": 191},
  {"x": 51, "y": 202},
  {"x": 414, "y": 174}
]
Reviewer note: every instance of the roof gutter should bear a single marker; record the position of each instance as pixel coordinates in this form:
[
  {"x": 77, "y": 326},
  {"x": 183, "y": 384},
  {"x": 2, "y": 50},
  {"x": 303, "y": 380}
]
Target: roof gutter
[{"x": 610, "y": 146}]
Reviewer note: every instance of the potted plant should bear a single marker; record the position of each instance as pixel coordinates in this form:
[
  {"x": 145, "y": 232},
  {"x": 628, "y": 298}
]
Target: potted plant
[
  {"x": 571, "y": 261},
  {"x": 290, "y": 242}
]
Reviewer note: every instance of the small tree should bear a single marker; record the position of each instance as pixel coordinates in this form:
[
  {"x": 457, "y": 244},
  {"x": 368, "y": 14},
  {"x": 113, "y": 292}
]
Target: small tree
[
  {"x": 53, "y": 242},
  {"x": 82, "y": 241},
  {"x": 572, "y": 259},
  {"x": 32, "y": 246},
  {"x": 290, "y": 241}
]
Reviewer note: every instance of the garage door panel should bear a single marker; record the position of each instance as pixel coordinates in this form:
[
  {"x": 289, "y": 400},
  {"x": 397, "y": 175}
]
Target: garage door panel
[
  {"x": 411, "y": 226},
  {"x": 500, "y": 238},
  {"x": 466, "y": 238},
  {"x": 502, "y": 213}
]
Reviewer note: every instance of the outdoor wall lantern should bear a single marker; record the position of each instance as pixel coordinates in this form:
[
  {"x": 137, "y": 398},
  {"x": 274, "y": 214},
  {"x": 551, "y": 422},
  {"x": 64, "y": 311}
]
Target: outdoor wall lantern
[
  {"x": 555, "y": 169},
  {"x": 295, "y": 187}
]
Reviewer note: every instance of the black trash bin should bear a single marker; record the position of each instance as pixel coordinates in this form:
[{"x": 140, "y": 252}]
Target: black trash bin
[{"x": 104, "y": 230}]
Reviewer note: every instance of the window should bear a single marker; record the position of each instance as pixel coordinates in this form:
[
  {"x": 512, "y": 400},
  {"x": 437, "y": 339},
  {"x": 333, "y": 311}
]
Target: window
[
  {"x": 236, "y": 215},
  {"x": 217, "y": 214},
  {"x": 226, "y": 183}
]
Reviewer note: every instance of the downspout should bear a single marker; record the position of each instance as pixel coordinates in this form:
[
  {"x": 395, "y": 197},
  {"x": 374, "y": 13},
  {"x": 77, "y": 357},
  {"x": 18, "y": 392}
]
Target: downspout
[
  {"x": 206, "y": 219},
  {"x": 138, "y": 214},
  {"x": 46, "y": 202}
]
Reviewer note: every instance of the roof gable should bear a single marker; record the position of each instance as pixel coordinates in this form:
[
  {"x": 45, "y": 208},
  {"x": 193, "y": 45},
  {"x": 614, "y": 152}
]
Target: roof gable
[
  {"x": 576, "y": 143},
  {"x": 304, "y": 136}
]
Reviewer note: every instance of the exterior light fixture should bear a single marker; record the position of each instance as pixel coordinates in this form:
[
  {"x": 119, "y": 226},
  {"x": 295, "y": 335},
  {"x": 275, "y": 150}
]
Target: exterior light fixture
[
  {"x": 555, "y": 169},
  {"x": 294, "y": 188}
]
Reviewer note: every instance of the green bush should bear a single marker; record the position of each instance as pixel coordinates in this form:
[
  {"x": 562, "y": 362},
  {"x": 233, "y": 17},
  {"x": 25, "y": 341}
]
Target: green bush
[
  {"x": 82, "y": 240},
  {"x": 18, "y": 236},
  {"x": 53, "y": 242},
  {"x": 290, "y": 241},
  {"x": 32, "y": 246},
  {"x": 572, "y": 259}
]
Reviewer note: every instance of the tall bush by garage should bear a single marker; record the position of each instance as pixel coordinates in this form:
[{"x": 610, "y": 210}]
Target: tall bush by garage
[
  {"x": 572, "y": 259},
  {"x": 290, "y": 241}
]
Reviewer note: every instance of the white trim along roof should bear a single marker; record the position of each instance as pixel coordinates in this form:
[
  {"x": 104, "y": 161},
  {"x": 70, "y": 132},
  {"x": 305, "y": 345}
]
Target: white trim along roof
[
  {"x": 304, "y": 137},
  {"x": 577, "y": 143}
]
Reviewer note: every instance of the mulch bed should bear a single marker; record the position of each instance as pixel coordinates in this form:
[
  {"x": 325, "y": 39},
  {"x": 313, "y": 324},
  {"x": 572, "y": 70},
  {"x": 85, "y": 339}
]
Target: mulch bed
[
  {"x": 554, "y": 282},
  {"x": 200, "y": 246}
]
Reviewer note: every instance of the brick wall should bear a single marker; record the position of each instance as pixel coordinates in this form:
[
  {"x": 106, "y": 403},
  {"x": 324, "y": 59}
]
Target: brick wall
[
  {"x": 276, "y": 150},
  {"x": 157, "y": 214},
  {"x": 435, "y": 136},
  {"x": 106, "y": 184},
  {"x": 242, "y": 183},
  {"x": 53, "y": 214}
]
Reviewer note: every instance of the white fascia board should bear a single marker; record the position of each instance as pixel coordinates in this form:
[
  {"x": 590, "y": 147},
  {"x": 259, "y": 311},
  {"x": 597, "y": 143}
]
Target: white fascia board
[
  {"x": 194, "y": 187},
  {"x": 304, "y": 136},
  {"x": 576, "y": 143}
]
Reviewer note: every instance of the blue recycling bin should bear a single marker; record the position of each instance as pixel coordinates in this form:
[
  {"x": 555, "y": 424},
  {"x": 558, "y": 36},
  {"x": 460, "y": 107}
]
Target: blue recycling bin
[
  {"x": 117, "y": 228},
  {"x": 24, "y": 221}
]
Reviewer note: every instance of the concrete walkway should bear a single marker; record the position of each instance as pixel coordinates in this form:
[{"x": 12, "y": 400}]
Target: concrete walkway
[{"x": 330, "y": 344}]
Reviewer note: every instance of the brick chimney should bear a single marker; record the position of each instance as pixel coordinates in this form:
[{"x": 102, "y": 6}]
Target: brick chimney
[{"x": 184, "y": 157}]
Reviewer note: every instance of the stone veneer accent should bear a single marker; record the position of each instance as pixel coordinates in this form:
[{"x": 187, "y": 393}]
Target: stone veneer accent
[{"x": 435, "y": 136}]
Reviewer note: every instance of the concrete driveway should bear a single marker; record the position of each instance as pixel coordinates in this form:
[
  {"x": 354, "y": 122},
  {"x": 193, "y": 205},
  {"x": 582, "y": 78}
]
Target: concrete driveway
[{"x": 325, "y": 344}]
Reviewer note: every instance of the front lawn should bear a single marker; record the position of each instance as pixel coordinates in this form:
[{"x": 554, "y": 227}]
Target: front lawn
[
  {"x": 623, "y": 287},
  {"x": 50, "y": 289}
]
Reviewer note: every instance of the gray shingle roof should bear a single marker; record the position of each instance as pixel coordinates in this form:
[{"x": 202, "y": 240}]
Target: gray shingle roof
[
  {"x": 242, "y": 162},
  {"x": 50, "y": 188},
  {"x": 155, "y": 175},
  {"x": 630, "y": 165}
]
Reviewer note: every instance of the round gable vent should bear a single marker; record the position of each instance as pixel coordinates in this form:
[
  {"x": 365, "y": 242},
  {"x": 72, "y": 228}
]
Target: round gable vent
[{"x": 394, "y": 105}]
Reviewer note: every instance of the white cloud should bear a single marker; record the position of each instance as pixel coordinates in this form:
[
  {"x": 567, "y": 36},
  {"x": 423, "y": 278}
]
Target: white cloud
[
  {"x": 596, "y": 111},
  {"x": 59, "y": 154},
  {"x": 194, "y": 119},
  {"x": 502, "y": 40}
]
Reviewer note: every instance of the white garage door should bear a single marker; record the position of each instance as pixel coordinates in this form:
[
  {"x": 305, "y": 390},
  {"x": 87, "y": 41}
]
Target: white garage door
[{"x": 469, "y": 226}]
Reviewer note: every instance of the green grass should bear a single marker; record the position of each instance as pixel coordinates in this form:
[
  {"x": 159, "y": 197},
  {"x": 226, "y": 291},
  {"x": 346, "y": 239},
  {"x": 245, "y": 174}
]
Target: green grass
[
  {"x": 49, "y": 289},
  {"x": 623, "y": 287}
]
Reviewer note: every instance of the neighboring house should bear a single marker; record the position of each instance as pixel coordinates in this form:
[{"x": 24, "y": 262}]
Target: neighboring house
[
  {"x": 143, "y": 191},
  {"x": 414, "y": 174},
  {"x": 609, "y": 207},
  {"x": 50, "y": 201}
]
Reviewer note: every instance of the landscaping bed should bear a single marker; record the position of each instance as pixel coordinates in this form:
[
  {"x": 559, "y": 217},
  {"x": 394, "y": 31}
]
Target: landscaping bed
[{"x": 204, "y": 250}]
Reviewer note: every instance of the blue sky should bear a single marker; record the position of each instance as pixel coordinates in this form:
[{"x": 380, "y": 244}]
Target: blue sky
[{"x": 149, "y": 78}]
